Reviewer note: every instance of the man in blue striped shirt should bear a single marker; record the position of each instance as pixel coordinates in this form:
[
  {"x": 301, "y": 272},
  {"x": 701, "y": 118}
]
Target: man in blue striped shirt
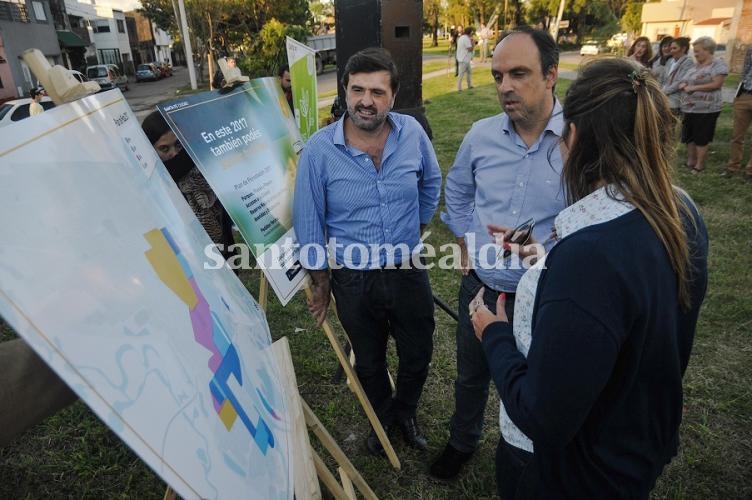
[
  {"x": 366, "y": 185},
  {"x": 507, "y": 170}
]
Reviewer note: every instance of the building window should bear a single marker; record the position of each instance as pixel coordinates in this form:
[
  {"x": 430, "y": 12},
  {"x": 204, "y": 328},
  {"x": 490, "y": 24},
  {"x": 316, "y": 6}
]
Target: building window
[
  {"x": 39, "y": 11},
  {"x": 101, "y": 26},
  {"x": 120, "y": 25},
  {"x": 14, "y": 10},
  {"x": 109, "y": 56}
]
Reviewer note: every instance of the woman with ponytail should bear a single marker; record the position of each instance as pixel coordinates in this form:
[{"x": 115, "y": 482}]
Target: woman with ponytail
[{"x": 591, "y": 371}]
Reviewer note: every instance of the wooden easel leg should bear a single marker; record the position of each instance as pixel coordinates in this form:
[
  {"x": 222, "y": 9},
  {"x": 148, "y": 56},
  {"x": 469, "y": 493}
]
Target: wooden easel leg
[
  {"x": 328, "y": 478},
  {"x": 359, "y": 392},
  {"x": 388, "y": 373},
  {"x": 333, "y": 448},
  {"x": 346, "y": 483},
  {"x": 170, "y": 494},
  {"x": 351, "y": 357},
  {"x": 263, "y": 291}
]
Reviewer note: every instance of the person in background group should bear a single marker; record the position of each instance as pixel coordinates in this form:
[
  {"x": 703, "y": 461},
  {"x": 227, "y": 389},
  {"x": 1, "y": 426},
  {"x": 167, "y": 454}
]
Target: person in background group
[
  {"x": 484, "y": 34},
  {"x": 454, "y": 35},
  {"x": 465, "y": 51},
  {"x": 678, "y": 68},
  {"x": 742, "y": 119},
  {"x": 35, "y": 108},
  {"x": 371, "y": 181},
  {"x": 196, "y": 191},
  {"x": 507, "y": 170},
  {"x": 286, "y": 84},
  {"x": 595, "y": 378},
  {"x": 641, "y": 51},
  {"x": 658, "y": 64},
  {"x": 701, "y": 101}
]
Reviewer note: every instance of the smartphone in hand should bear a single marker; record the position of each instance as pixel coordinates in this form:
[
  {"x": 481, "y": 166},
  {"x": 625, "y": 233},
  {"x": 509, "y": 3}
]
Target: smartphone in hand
[{"x": 520, "y": 235}]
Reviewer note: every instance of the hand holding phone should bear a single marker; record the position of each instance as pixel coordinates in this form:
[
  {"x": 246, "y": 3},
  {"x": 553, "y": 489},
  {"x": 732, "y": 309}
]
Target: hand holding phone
[{"x": 520, "y": 235}]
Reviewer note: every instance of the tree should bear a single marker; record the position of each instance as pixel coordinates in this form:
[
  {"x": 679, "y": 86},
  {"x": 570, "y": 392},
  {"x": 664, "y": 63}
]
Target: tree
[
  {"x": 631, "y": 20},
  {"x": 431, "y": 11},
  {"x": 220, "y": 27}
]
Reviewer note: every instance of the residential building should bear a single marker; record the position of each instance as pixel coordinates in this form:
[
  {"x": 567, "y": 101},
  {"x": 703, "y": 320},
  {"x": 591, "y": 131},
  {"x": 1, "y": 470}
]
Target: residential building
[
  {"x": 24, "y": 24},
  {"x": 78, "y": 55},
  {"x": 680, "y": 17},
  {"x": 149, "y": 43},
  {"x": 111, "y": 38},
  {"x": 741, "y": 37},
  {"x": 728, "y": 22}
]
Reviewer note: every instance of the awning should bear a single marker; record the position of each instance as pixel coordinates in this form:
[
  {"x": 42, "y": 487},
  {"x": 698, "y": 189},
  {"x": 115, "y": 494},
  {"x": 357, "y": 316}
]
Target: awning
[{"x": 70, "y": 39}]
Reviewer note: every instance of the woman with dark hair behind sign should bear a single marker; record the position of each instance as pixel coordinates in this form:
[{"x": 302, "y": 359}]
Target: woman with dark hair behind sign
[
  {"x": 196, "y": 191},
  {"x": 611, "y": 310}
]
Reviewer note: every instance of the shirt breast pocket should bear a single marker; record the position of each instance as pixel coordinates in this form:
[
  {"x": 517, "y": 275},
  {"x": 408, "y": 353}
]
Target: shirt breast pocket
[{"x": 552, "y": 185}]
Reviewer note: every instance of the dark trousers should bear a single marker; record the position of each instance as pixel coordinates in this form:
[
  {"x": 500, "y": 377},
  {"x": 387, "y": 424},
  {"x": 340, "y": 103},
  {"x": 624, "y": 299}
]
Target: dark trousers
[
  {"x": 374, "y": 304},
  {"x": 510, "y": 462},
  {"x": 473, "y": 377}
]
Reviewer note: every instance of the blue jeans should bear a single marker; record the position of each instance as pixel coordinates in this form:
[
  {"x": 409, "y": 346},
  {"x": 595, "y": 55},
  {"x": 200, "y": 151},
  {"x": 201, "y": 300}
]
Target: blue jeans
[
  {"x": 374, "y": 304},
  {"x": 473, "y": 377}
]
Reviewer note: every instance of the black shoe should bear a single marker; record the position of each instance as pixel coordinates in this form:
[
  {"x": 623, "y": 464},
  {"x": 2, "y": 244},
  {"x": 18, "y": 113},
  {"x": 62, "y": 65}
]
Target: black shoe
[
  {"x": 374, "y": 445},
  {"x": 449, "y": 463},
  {"x": 728, "y": 173},
  {"x": 411, "y": 432}
]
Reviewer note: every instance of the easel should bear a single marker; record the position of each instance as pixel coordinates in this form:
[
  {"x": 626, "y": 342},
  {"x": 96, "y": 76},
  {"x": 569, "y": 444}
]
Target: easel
[
  {"x": 349, "y": 371},
  {"x": 308, "y": 465}
]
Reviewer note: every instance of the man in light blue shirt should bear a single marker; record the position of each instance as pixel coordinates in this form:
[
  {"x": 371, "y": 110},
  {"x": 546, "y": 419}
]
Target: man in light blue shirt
[
  {"x": 506, "y": 171},
  {"x": 366, "y": 185}
]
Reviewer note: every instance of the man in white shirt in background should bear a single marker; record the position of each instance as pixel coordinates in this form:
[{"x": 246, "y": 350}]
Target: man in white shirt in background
[
  {"x": 465, "y": 49},
  {"x": 484, "y": 34}
]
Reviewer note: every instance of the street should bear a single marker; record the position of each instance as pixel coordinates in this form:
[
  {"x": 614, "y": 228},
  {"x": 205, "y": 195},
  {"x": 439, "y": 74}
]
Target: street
[{"x": 143, "y": 97}]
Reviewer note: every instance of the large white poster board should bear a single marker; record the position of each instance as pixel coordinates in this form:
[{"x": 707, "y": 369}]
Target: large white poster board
[{"x": 101, "y": 272}]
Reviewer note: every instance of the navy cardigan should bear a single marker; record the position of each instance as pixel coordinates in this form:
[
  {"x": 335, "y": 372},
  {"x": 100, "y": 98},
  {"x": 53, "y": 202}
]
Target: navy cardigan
[{"x": 600, "y": 393}]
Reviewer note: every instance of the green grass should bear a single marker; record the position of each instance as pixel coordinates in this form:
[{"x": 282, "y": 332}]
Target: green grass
[
  {"x": 73, "y": 455},
  {"x": 441, "y": 49}
]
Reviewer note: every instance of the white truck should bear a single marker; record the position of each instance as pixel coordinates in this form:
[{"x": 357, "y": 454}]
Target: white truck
[{"x": 326, "y": 50}]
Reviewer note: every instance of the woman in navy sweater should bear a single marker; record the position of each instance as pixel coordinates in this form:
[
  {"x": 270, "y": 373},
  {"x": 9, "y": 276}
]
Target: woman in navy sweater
[{"x": 592, "y": 375}]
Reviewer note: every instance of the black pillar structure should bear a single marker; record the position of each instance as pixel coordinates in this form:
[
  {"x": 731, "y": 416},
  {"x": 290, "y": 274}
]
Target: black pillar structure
[{"x": 394, "y": 25}]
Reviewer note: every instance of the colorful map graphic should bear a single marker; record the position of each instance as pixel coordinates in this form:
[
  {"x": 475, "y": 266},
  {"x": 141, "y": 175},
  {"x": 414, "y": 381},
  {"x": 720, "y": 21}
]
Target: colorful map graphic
[{"x": 174, "y": 271}]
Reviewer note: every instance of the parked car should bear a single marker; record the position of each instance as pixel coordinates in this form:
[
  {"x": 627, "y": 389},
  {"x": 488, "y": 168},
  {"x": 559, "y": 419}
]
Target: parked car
[
  {"x": 78, "y": 75},
  {"x": 164, "y": 72},
  {"x": 146, "y": 73},
  {"x": 591, "y": 48},
  {"x": 617, "y": 41},
  {"x": 107, "y": 76},
  {"x": 18, "y": 109},
  {"x": 165, "y": 68}
]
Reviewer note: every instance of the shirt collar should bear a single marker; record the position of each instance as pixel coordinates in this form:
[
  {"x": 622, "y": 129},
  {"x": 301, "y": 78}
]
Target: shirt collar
[
  {"x": 339, "y": 128},
  {"x": 555, "y": 123},
  {"x": 602, "y": 205}
]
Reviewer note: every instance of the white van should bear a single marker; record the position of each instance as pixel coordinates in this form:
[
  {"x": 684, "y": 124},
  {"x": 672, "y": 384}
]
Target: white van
[{"x": 107, "y": 76}]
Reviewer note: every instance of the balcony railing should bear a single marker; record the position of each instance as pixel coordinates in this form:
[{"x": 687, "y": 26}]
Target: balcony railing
[{"x": 14, "y": 12}]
